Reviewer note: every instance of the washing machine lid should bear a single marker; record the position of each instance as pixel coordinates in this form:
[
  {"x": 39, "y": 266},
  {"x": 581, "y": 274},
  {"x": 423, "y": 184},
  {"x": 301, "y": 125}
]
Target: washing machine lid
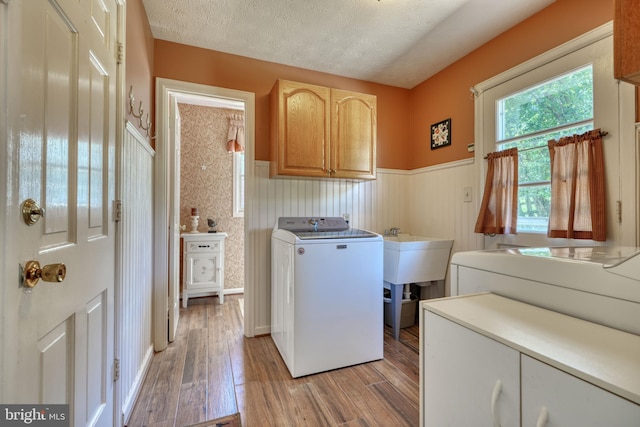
[{"x": 313, "y": 228}]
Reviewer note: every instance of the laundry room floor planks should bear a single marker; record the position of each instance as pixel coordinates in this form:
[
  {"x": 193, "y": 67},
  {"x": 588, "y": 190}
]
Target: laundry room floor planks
[{"x": 211, "y": 370}]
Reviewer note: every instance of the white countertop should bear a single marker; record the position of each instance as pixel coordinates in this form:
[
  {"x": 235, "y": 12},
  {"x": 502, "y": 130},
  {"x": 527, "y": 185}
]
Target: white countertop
[{"x": 605, "y": 357}]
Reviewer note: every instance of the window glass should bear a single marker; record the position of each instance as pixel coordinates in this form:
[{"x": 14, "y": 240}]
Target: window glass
[{"x": 527, "y": 119}]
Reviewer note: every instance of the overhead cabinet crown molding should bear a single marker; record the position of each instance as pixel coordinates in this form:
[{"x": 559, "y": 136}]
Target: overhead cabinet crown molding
[{"x": 320, "y": 132}]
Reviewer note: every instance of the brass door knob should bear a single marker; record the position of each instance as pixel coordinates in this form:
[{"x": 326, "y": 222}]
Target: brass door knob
[{"x": 49, "y": 273}]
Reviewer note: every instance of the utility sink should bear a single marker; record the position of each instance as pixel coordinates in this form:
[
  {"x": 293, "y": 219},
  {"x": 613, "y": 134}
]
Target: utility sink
[{"x": 413, "y": 259}]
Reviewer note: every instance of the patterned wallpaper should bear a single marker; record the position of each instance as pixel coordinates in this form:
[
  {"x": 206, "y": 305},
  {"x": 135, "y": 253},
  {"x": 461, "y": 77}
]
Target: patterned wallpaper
[{"x": 206, "y": 181}]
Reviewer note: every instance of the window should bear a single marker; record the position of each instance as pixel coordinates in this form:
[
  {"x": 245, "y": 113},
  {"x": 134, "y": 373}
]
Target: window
[
  {"x": 502, "y": 101},
  {"x": 238, "y": 183},
  {"x": 527, "y": 119}
]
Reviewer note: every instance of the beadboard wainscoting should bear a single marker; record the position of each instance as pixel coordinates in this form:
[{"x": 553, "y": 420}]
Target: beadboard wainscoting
[
  {"x": 428, "y": 201},
  {"x": 438, "y": 208},
  {"x": 134, "y": 346}
]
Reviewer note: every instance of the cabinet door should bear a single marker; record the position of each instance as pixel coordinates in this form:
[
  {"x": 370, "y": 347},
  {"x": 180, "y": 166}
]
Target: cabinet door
[
  {"x": 569, "y": 401},
  {"x": 626, "y": 36},
  {"x": 300, "y": 129},
  {"x": 353, "y": 135},
  {"x": 203, "y": 271},
  {"x": 468, "y": 379}
]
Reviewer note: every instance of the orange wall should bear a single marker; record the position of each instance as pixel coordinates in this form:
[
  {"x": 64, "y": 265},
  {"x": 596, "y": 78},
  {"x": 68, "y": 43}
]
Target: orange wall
[
  {"x": 404, "y": 116},
  {"x": 196, "y": 65},
  {"x": 139, "y": 63},
  {"x": 447, "y": 95}
]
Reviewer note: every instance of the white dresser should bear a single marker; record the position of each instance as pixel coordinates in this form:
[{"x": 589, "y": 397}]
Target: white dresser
[{"x": 203, "y": 265}]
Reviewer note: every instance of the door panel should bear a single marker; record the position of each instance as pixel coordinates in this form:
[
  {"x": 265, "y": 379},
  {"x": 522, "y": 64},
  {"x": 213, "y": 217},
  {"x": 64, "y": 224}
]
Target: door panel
[
  {"x": 61, "y": 98},
  {"x": 55, "y": 350},
  {"x": 99, "y": 137}
]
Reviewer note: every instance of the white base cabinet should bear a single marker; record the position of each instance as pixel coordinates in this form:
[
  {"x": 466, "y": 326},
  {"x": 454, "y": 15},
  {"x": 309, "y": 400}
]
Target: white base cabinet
[
  {"x": 470, "y": 379},
  {"x": 203, "y": 265},
  {"x": 490, "y": 361}
]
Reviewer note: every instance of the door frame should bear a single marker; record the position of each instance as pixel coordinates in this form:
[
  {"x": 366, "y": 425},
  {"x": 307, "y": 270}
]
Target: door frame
[{"x": 165, "y": 89}]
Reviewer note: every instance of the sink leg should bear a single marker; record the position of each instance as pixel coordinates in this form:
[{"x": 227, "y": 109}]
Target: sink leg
[{"x": 396, "y": 308}]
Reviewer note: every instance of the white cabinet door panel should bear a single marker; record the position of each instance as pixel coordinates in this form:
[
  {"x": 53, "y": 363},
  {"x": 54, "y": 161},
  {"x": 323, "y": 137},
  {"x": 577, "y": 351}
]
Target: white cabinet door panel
[
  {"x": 570, "y": 401},
  {"x": 461, "y": 374}
]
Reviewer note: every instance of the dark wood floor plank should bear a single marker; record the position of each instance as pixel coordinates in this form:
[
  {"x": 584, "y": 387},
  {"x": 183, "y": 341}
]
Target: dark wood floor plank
[
  {"x": 355, "y": 423},
  {"x": 165, "y": 396},
  {"x": 140, "y": 413},
  {"x": 221, "y": 400},
  {"x": 406, "y": 385},
  {"x": 195, "y": 364},
  {"x": 192, "y": 405},
  {"x": 333, "y": 398},
  {"x": 310, "y": 410},
  {"x": 395, "y": 402},
  {"x": 364, "y": 399},
  {"x": 259, "y": 405}
]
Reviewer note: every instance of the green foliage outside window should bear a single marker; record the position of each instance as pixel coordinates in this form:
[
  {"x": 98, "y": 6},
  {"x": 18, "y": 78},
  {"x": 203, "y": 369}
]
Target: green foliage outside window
[{"x": 528, "y": 119}]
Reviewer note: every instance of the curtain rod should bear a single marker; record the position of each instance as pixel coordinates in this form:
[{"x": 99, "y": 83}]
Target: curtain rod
[{"x": 602, "y": 133}]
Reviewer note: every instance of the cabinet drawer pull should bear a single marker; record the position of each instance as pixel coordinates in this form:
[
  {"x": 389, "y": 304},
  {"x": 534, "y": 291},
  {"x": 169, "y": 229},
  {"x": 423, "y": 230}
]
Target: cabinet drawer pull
[
  {"x": 543, "y": 417},
  {"x": 204, "y": 246},
  {"x": 497, "y": 389}
]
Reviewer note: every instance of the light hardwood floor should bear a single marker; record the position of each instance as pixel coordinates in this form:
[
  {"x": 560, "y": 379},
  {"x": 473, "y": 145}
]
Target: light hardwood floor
[{"x": 212, "y": 370}]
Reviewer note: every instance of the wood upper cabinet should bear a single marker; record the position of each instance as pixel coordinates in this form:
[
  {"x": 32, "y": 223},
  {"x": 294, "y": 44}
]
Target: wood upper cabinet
[
  {"x": 353, "y": 134},
  {"x": 322, "y": 132},
  {"x": 626, "y": 39}
]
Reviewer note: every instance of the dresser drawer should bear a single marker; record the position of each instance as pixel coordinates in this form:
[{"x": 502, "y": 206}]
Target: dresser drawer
[{"x": 191, "y": 247}]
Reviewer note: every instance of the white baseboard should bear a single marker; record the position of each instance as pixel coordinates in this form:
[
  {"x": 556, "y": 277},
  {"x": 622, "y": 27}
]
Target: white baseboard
[{"x": 132, "y": 395}]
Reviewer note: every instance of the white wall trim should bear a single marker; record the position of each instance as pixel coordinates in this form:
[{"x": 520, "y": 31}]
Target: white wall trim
[
  {"x": 164, "y": 89},
  {"x": 564, "y": 49},
  {"x": 442, "y": 166},
  {"x": 142, "y": 140},
  {"x": 599, "y": 33},
  {"x": 134, "y": 391}
]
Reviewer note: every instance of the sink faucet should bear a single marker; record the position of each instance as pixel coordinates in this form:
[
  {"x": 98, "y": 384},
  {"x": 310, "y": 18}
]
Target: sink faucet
[{"x": 394, "y": 231}]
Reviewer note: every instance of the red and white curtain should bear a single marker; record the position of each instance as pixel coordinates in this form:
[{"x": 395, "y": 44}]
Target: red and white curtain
[
  {"x": 499, "y": 210},
  {"x": 235, "y": 138},
  {"x": 577, "y": 187}
]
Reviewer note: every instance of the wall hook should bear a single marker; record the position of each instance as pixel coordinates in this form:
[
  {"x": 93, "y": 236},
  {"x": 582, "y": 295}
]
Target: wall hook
[{"x": 144, "y": 125}]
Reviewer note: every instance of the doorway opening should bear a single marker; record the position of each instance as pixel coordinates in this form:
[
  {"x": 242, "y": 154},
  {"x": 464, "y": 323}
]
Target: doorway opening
[{"x": 169, "y": 93}]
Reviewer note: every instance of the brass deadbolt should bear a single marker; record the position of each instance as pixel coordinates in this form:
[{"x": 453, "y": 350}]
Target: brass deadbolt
[{"x": 31, "y": 211}]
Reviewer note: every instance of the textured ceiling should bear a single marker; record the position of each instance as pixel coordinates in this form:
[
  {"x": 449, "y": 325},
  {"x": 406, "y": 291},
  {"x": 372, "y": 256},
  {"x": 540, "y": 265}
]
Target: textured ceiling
[{"x": 395, "y": 42}]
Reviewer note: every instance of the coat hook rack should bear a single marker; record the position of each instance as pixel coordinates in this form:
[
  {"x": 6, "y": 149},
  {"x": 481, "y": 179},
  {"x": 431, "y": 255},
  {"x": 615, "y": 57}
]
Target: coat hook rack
[{"x": 144, "y": 125}]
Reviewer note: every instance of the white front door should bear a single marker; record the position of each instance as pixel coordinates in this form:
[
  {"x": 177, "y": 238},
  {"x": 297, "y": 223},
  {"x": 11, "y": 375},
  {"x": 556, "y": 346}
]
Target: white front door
[{"x": 59, "y": 101}]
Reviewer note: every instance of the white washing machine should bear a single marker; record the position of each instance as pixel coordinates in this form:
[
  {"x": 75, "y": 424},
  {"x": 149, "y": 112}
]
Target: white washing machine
[{"x": 326, "y": 294}]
